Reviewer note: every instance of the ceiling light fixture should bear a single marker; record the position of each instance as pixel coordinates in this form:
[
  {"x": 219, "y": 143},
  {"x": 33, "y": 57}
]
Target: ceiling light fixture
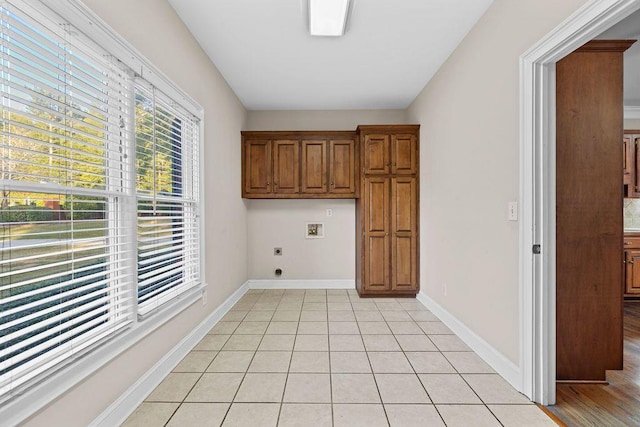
[{"x": 328, "y": 17}]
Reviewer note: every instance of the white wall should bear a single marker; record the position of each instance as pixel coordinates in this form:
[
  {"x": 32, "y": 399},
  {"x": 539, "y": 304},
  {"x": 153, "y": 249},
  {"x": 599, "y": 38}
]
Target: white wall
[
  {"x": 322, "y": 119},
  {"x": 632, "y": 124},
  {"x": 280, "y": 223},
  {"x": 156, "y": 31},
  {"x": 469, "y": 169}
]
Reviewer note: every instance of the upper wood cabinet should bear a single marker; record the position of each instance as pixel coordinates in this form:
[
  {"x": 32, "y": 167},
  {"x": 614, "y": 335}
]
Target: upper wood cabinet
[
  {"x": 376, "y": 154},
  {"x": 256, "y": 165},
  {"x": 627, "y": 158},
  {"x": 342, "y": 166},
  {"x": 301, "y": 164},
  {"x": 314, "y": 167},
  {"x": 395, "y": 153},
  {"x": 286, "y": 163},
  {"x": 404, "y": 154},
  {"x": 631, "y": 163}
]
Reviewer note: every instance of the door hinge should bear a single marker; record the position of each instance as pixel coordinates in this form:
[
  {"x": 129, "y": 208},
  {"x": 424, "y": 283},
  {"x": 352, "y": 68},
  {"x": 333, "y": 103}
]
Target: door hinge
[{"x": 536, "y": 249}]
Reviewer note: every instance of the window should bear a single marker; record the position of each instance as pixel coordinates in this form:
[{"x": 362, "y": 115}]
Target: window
[
  {"x": 77, "y": 177},
  {"x": 167, "y": 198}
]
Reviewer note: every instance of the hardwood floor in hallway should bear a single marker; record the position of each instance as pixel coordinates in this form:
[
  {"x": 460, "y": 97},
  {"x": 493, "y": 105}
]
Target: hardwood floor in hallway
[{"x": 616, "y": 404}]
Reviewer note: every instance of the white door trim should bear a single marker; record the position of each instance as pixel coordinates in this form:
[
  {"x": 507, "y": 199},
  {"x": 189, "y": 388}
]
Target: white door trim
[{"x": 537, "y": 188}]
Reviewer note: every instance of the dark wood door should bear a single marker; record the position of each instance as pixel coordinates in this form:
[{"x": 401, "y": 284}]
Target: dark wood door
[
  {"x": 342, "y": 166},
  {"x": 376, "y": 154},
  {"x": 257, "y": 167},
  {"x": 376, "y": 234},
  {"x": 286, "y": 166},
  {"x": 404, "y": 155},
  {"x": 632, "y": 262},
  {"x": 404, "y": 263},
  {"x": 314, "y": 167},
  {"x": 589, "y": 211}
]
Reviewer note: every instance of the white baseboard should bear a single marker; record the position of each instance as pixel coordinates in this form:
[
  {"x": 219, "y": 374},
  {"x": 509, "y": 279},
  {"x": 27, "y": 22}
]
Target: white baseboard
[
  {"x": 503, "y": 366},
  {"x": 302, "y": 284},
  {"x": 119, "y": 410}
]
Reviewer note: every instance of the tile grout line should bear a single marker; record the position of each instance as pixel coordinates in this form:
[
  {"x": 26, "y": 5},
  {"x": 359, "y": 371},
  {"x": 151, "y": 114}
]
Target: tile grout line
[
  {"x": 182, "y": 402},
  {"x": 330, "y": 371},
  {"x": 414, "y": 369},
  {"x": 246, "y": 370}
]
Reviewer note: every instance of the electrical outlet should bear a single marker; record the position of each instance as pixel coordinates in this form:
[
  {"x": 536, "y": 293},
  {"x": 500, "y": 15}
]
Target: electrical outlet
[
  {"x": 444, "y": 289},
  {"x": 204, "y": 298},
  {"x": 277, "y": 251},
  {"x": 329, "y": 212},
  {"x": 512, "y": 211}
]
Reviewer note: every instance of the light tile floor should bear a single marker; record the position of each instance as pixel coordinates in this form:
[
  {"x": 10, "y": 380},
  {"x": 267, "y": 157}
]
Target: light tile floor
[{"x": 329, "y": 358}]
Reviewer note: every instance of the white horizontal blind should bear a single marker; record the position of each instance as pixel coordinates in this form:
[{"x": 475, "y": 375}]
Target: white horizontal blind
[
  {"x": 65, "y": 283},
  {"x": 167, "y": 176}
]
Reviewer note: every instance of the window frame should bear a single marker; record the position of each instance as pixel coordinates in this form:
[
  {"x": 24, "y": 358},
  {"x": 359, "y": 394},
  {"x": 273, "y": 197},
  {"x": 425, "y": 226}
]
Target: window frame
[{"x": 71, "y": 372}]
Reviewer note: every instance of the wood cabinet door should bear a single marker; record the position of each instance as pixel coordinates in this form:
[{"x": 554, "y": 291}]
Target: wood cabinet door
[
  {"x": 286, "y": 167},
  {"x": 376, "y": 234},
  {"x": 314, "y": 167},
  {"x": 376, "y": 154},
  {"x": 632, "y": 258},
  {"x": 634, "y": 186},
  {"x": 628, "y": 156},
  {"x": 257, "y": 167},
  {"x": 342, "y": 166},
  {"x": 404, "y": 238},
  {"x": 404, "y": 155}
]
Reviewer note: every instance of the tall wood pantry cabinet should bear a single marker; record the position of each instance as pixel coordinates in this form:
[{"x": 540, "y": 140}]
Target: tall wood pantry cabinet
[{"x": 387, "y": 211}]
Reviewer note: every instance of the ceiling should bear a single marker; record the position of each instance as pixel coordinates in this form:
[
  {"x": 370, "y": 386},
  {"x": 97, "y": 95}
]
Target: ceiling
[
  {"x": 629, "y": 28},
  {"x": 391, "y": 49}
]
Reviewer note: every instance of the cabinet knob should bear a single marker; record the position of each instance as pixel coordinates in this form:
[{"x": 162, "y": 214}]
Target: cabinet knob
[
  {"x": 627, "y": 243},
  {"x": 630, "y": 261},
  {"x": 386, "y": 234}
]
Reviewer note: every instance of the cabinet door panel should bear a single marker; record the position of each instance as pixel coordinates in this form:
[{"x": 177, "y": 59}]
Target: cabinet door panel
[
  {"x": 403, "y": 154},
  {"x": 285, "y": 166},
  {"x": 376, "y": 228},
  {"x": 403, "y": 262},
  {"x": 634, "y": 186},
  {"x": 633, "y": 272},
  {"x": 342, "y": 166},
  {"x": 404, "y": 237},
  {"x": 627, "y": 154},
  {"x": 377, "y": 205},
  {"x": 376, "y": 154},
  {"x": 314, "y": 167},
  {"x": 257, "y": 167},
  {"x": 376, "y": 264}
]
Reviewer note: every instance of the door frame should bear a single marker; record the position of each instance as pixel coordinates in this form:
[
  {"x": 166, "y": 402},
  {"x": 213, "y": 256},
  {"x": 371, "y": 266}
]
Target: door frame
[{"x": 537, "y": 189}]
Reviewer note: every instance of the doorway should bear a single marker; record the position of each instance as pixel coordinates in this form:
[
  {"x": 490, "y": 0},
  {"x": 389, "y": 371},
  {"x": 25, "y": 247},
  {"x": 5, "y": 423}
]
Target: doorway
[{"x": 537, "y": 189}]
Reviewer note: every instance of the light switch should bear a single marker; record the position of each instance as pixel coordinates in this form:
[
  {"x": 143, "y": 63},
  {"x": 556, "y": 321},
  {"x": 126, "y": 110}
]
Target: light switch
[{"x": 513, "y": 211}]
